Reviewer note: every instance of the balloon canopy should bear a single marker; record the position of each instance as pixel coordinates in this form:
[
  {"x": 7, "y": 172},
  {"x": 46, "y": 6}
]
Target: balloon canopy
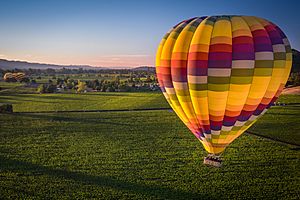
[
  {"x": 18, "y": 76},
  {"x": 221, "y": 73}
]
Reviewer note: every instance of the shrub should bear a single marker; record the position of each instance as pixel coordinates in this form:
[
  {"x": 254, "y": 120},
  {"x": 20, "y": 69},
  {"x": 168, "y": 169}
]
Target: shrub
[
  {"x": 6, "y": 108},
  {"x": 81, "y": 86},
  {"x": 41, "y": 89},
  {"x": 46, "y": 88}
]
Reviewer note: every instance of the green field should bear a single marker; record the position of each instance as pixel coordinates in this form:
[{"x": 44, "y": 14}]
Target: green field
[
  {"x": 87, "y": 101},
  {"x": 138, "y": 154},
  {"x": 15, "y": 88},
  {"x": 281, "y": 123}
]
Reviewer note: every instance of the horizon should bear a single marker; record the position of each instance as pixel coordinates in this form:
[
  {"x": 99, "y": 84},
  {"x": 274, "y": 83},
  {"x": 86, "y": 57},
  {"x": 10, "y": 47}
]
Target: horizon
[
  {"x": 75, "y": 65},
  {"x": 115, "y": 33}
]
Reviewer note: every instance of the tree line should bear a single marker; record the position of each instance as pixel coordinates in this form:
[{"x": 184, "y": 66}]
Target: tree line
[{"x": 116, "y": 85}]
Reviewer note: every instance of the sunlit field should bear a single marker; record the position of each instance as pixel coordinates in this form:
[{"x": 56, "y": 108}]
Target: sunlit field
[{"x": 137, "y": 154}]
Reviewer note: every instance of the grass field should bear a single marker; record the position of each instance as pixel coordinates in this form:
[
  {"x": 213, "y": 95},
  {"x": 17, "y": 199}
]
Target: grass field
[
  {"x": 281, "y": 123},
  {"x": 15, "y": 88},
  {"x": 87, "y": 101},
  {"x": 137, "y": 155}
]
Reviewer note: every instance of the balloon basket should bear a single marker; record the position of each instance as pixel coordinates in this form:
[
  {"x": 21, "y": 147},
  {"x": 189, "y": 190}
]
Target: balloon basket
[{"x": 212, "y": 160}]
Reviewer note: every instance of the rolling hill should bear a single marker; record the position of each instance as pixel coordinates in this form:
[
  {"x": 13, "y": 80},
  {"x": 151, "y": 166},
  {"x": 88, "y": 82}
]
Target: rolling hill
[{"x": 12, "y": 64}]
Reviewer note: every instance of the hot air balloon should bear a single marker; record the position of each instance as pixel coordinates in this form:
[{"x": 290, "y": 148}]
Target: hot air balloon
[
  {"x": 221, "y": 73},
  {"x": 13, "y": 77},
  {"x": 19, "y": 76},
  {"x": 9, "y": 77}
]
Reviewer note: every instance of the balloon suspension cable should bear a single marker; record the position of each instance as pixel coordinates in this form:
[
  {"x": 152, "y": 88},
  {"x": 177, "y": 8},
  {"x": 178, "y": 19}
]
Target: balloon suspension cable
[{"x": 213, "y": 160}]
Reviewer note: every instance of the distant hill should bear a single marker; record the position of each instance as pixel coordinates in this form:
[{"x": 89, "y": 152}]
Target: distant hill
[
  {"x": 144, "y": 68},
  {"x": 11, "y": 64},
  {"x": 296, "y": 61}
]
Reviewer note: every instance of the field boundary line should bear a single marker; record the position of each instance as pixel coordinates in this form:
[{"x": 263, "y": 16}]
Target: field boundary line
[
  {"x": 272, "y": 139},
  {"x": 123, "y": 110},
  {"x": 152, "y": 109},
  {"x": 87, "y": 111}
]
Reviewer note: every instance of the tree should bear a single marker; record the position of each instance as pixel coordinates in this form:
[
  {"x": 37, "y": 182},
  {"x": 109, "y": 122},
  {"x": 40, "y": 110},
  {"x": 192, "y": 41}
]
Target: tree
[
  {"x": 93, "y": 84},
  {"x": 25, "y": 80},
  {"x": 50, "y": 88},
  {"x": 103, "y": 88},
  {"x": 297, "y": 79},
  {"x": 117, "y": 79},
  {"x": 6, "y": 108},
  {"x": 124, "y": 88},
  {"x": 46, "y": 88},
  {"x": 148, "y": 79},
  {"x": 110, "y": 89},
  {"x": 41, "y": 89},
  {"x": 50, "y": 71},
  {"x": 81, "y": 86},
  {"x": 70, "y": 83},
  {"x": 59, "y": 81}
]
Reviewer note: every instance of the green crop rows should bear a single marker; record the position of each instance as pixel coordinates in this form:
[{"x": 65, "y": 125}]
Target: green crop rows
[{"x": 137, "y": 154}]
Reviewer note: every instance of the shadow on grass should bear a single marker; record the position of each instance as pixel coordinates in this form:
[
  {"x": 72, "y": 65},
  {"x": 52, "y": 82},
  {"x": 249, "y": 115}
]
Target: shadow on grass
[{"x": 20, "y": 167}]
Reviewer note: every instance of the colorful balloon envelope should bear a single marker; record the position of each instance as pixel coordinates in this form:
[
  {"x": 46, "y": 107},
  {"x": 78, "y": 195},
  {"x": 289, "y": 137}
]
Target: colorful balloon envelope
[
  {"x": 221, "y": 73},
  {"x": 15, "y": 76}
]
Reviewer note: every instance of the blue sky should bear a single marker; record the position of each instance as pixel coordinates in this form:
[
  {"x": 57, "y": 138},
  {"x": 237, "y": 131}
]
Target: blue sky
[{"x": 115, "y": 33}]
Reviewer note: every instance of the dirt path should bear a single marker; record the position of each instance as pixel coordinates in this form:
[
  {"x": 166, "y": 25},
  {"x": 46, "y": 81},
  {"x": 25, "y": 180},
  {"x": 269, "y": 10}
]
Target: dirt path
[{"x": 292, "y": 90}]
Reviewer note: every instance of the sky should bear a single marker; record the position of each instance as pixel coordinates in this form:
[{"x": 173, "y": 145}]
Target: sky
[{"x": 116, "y": 33}]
